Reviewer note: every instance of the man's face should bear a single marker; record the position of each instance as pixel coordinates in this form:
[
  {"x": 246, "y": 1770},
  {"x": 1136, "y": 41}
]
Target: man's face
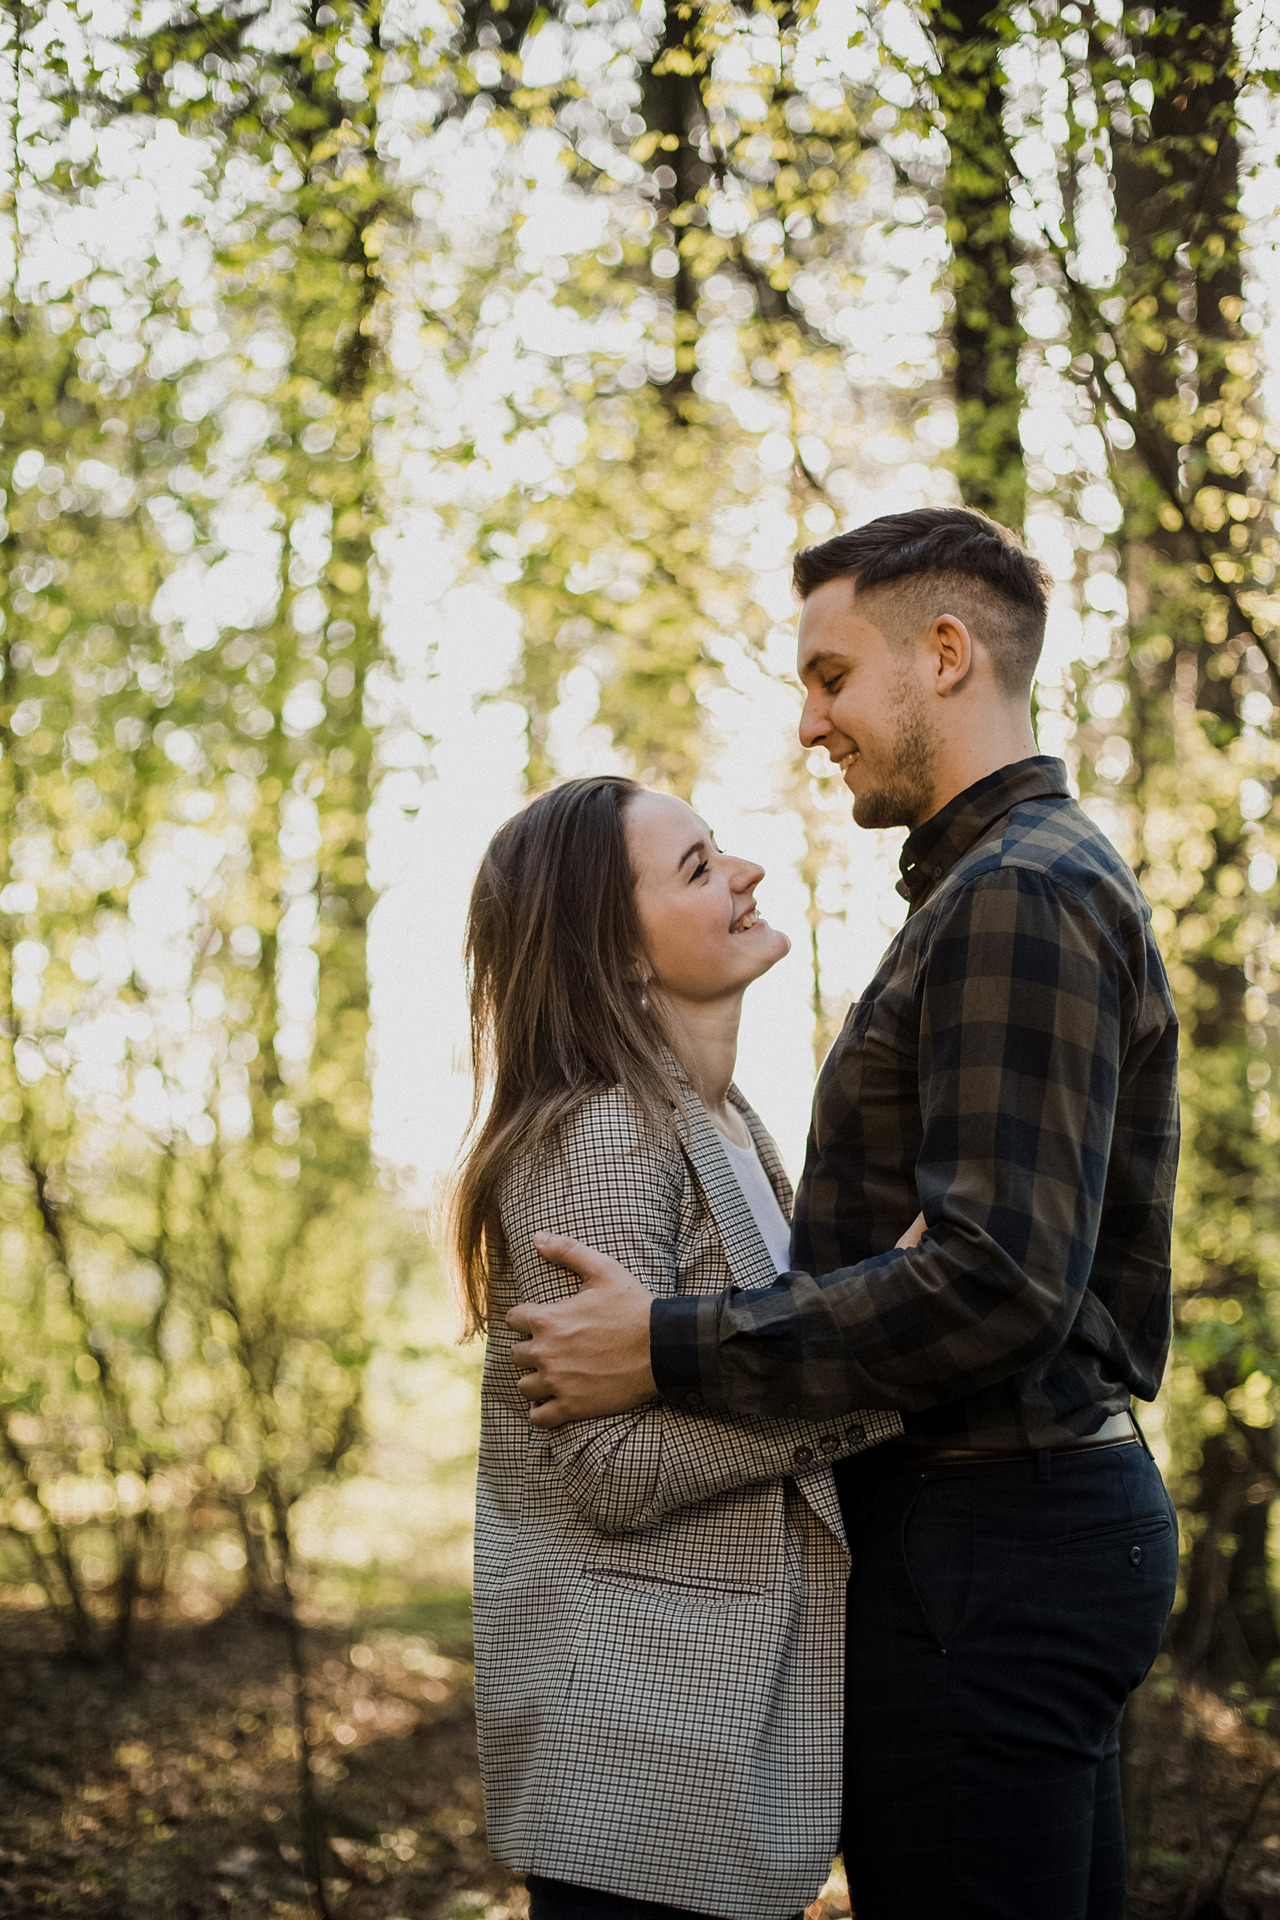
[{"x": 866, "y": 702}]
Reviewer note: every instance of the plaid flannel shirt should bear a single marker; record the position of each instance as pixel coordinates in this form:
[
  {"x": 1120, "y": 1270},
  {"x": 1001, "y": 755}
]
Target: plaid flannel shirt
[{"x": 1011, "y": 1072}]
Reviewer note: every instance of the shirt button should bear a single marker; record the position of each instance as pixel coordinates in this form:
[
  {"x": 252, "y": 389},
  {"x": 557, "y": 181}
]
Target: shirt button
[
  {"x": 855, "y": 1431},
  {"x": 829, "y": 1443},
  {"x": 1135, "y": 1556},
  {"x": 802, "y": 1456}
]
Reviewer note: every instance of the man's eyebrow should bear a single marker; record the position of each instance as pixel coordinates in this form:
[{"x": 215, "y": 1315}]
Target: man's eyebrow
[{"x": 817, "y": 661}]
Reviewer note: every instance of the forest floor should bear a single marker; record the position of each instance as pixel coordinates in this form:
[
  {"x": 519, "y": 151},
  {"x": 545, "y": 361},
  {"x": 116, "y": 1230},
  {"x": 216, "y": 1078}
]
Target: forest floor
[{"x": 170, "y": 1795}]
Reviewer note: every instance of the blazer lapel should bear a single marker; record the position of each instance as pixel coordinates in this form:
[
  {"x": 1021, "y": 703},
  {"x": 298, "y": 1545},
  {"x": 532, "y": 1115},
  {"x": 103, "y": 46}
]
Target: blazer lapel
[
  {"x": 749, "y": 1261},
  {"x": 746, "y": 1253},
  {"x": 768, "y": 1152},
  {"x": 816, "y": 1487}
]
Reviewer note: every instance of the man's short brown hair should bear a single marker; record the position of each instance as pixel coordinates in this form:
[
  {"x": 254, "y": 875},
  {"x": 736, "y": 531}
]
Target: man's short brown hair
[{"x": 950, "y": 560}]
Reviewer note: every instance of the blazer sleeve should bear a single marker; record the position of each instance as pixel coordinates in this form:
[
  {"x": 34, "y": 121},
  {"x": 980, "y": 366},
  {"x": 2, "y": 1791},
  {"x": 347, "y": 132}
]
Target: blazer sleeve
[{"x": 615, "y": 1182}]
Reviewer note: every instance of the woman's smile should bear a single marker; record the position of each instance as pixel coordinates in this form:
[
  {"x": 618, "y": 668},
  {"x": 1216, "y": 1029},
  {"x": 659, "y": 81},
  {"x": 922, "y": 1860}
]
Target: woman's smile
[{"x": 689, "y": 894}]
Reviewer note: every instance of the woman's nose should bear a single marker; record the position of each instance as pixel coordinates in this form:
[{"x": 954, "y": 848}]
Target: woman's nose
[{"x": 749, "y": 875}]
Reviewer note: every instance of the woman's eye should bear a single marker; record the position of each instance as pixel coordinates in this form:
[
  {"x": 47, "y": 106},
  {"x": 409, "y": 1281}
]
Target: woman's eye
[{"x": 703, "y": 866}]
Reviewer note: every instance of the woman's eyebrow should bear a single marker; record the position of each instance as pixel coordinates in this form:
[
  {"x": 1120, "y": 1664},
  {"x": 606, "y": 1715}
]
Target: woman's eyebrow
[{"x": 697, "y": 847}]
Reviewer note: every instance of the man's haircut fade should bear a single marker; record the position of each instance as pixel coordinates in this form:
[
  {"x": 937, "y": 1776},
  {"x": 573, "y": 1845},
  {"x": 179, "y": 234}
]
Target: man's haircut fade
[{"x": 961, "y": 550}]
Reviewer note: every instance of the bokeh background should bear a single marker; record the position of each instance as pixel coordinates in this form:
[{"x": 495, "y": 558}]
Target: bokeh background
[{"x": 406, "y": 405}]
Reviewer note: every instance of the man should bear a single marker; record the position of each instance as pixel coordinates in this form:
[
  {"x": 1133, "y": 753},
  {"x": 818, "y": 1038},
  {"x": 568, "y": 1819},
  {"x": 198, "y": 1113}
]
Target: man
[{"x": 1010, "y": 1071}]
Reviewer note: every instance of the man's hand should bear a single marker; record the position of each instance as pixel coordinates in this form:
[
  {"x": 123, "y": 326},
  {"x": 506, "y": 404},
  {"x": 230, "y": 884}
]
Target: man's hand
[
  {"x": 586, "y": 1356},
  {"x": 914, "y": 1234}
]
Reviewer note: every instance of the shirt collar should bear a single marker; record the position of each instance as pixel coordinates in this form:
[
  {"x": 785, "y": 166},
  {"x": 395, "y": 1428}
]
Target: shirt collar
[{"x": 935, "y": 846}]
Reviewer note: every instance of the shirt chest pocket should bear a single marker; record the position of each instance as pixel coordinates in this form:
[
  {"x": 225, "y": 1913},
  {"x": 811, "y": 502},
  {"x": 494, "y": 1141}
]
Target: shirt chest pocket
[{"x": 872, "y": 1074}]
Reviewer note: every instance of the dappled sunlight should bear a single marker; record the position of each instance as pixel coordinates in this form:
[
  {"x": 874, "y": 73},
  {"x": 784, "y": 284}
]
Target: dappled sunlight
[{"x": 406, "y": 410}]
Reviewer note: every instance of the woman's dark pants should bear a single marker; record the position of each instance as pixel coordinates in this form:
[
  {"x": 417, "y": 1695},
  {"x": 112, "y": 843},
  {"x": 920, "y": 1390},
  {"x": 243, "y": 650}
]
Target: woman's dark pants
[
  {"x": 999, "y": 1617},
  {"x": 557, "y": 1900}
]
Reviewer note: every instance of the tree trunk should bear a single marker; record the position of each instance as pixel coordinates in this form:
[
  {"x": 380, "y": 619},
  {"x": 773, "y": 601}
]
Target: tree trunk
[
  {"x": 1176, "y": 184},
  {"x": 986, "y": 332},
  {"x": 672, "y": 107}
]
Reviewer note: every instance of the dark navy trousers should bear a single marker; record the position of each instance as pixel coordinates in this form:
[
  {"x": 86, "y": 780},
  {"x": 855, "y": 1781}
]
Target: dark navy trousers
[{"x": 999, "y": 1617}]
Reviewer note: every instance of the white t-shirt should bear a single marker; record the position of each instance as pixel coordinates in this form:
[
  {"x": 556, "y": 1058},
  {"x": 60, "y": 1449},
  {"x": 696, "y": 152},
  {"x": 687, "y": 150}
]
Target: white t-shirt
[{"x": 775, "y": 1230}]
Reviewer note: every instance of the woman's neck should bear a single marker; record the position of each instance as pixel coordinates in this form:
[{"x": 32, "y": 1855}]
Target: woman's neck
[{"x": 705, "y": 1036}]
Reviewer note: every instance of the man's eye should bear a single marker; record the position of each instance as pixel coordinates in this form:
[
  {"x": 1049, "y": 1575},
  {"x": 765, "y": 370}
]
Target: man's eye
[{"x": 830, "y": 686}]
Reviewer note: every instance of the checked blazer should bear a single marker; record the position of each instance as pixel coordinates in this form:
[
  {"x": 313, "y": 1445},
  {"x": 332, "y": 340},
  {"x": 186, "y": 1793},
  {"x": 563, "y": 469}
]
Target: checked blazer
[{"x": 659, "y": 1595}]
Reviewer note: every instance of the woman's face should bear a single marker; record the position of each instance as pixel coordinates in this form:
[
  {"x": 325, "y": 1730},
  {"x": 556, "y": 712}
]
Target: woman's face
[{"x": 697, "y": 905}]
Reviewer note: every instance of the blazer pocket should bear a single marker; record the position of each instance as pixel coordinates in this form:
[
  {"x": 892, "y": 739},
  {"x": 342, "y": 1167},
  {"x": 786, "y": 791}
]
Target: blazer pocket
[
  {"x": 675, "y": 1584},
  {"x": 670, "y": 1729}
]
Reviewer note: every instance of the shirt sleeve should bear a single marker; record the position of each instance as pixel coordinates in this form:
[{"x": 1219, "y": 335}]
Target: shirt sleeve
[
  {"x": 1024, "y": 997},
  {"x": 612, "y": 1183}
]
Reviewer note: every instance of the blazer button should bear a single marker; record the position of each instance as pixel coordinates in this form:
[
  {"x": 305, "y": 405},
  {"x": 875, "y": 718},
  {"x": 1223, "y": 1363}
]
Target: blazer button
[
  {"x": 802, "y": 1456},
  {"x": 693, "y": 1400},
  {"x": 1135, "y": 1556}
]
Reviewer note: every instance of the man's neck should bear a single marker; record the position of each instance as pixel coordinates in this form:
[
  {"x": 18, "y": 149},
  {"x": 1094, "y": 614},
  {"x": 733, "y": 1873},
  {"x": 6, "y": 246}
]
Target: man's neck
[{"x": 965, "y": 762}]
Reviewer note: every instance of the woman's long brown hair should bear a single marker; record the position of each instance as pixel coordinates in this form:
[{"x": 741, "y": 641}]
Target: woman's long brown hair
[{"x": 555, "y": 964}]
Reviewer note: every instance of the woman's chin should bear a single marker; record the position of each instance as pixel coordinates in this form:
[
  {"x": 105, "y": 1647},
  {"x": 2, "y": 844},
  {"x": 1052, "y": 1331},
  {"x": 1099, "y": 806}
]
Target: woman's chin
[
  {"x": 753, "y": 953},
  {"x": 773, "y": 946}
]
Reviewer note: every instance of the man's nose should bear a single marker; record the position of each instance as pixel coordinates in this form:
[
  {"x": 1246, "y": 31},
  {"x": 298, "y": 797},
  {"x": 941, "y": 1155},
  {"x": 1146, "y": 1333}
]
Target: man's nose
[{"x": 814, "y": 725}]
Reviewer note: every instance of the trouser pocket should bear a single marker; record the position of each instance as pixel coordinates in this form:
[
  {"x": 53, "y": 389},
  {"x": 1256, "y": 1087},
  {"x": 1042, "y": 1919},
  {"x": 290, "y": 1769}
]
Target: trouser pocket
[{"x": 936, "y": 1542}]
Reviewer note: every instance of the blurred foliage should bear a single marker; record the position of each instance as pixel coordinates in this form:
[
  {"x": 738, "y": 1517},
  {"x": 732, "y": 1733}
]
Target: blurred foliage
[
  {"x": 189, "y": 660},
  {"x": 721, "y": 197},
  {"x": 191, "y": 663},
  {"x": 1167, "y": 354},
  {"x": 208, "y": 425},
  {"x": 639, "y": 299},
  {"x": 986, "y": 329},
  {"x": 705, "y": 384}
]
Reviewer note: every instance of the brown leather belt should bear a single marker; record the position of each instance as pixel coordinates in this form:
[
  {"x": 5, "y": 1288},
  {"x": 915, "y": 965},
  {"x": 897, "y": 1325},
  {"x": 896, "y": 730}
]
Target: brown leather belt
[{"x": 1119, "y": 1430}]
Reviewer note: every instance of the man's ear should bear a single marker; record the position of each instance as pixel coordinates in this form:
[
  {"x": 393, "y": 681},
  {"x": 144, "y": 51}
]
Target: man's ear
[{"x": 952, "y": 650}]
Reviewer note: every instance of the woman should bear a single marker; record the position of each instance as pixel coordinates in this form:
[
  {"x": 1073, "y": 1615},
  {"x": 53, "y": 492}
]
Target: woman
[{"x": 659, "y": 1598}]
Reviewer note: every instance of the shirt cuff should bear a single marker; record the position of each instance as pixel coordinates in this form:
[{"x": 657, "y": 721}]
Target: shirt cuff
[{"x": 679, "y": 1329}]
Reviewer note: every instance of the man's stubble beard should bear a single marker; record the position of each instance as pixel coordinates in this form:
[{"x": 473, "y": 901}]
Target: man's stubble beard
[{"x": 906, "y": 796}]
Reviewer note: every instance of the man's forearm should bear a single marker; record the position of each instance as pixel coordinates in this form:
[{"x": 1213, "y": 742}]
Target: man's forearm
[
  {"x": 771, "y": 1354},
  {"x": 907, "y": 1330}
]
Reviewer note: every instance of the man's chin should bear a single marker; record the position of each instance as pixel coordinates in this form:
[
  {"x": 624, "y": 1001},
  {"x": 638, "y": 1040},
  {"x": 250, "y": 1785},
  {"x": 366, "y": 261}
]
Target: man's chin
[{"x": 881, "y": 807}]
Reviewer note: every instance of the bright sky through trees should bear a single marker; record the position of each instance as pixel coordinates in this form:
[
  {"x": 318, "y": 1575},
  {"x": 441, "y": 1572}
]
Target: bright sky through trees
[
  {"x": 479, "y": 752},
  {"x": 487, "y": 206}
]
